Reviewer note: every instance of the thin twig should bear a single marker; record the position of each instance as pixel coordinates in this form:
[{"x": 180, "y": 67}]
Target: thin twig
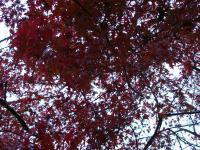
[
  {"x": 181, "y": 113},
  {"x": 7, "y": 38},
  {"x": 196, "y": 68}
]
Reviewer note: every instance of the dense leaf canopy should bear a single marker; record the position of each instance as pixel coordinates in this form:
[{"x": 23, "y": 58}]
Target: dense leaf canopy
[{"x": 100, "y": 74}]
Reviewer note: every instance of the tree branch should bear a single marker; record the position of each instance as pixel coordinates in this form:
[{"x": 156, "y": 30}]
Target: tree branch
[
  {"x": 81, "y": 6},
  {"x": 11, "y": 132},
  {"x": 196, "y": 68},
  {"x": 129, "y": 83},
  {"x": 160, "y": 120},
  {"x": 181, "y": 113},
  {"x": 15, "y": 114},
  {"x": 7, "y": 38},
  {"x": 193, "y": 133}
]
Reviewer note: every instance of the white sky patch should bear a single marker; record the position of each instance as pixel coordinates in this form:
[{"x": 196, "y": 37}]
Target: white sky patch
[
  {"x": 4, "y": 33},
  {"x": 175, "y": 71}
]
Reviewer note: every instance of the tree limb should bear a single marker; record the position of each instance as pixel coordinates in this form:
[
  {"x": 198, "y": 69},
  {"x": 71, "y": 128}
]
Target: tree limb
[
  {"x": 196, "y": 68},
  {"x": 15, "y": 114},
  {"x": 81, "y": 6},
  {"x": 7, "y": 38},
  {"x": 160, "y": 120},
  {"x": 193, "y": 133},
  {"x": 181, "y": 113}
]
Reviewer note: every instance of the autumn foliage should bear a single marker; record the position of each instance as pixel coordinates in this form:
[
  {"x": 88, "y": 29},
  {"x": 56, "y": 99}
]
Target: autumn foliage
[{"x": 100, "y": 74}]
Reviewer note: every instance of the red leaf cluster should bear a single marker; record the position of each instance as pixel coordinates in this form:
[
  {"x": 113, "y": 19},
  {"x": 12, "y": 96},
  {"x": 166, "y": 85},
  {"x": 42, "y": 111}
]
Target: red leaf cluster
[{"x": 95, "y": 74}]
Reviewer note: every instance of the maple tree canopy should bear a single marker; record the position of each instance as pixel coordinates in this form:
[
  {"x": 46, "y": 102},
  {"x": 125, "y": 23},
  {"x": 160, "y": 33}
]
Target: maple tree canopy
[{"x": 100, "y": 74}]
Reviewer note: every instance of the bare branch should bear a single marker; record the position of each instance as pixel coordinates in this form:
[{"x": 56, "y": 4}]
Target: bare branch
[
  {"x": 196, "y": 68},
  {"x": 193, "y": 133},
  {"x": 160, "y": 120},
  {"x": 7, "y": 38},
  {"x": 181, "y": 113}
]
